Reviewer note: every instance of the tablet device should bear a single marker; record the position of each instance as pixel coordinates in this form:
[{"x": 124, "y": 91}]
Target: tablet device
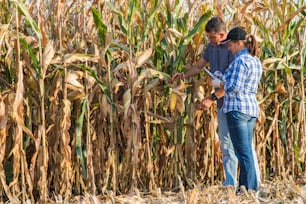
[{"x": 209, "y": 73}]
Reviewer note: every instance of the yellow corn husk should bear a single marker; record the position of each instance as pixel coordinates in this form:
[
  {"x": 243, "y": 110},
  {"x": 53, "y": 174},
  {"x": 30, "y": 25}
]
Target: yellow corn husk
[{"x": 173, "y": 101}]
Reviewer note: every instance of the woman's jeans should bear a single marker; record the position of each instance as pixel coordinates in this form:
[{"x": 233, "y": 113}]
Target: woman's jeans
[{"x": 241, "y": 128}]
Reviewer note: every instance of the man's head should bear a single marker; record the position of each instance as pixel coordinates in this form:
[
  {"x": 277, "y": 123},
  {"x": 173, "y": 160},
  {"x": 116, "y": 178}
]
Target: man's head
[{"x": 216, "y": 30}]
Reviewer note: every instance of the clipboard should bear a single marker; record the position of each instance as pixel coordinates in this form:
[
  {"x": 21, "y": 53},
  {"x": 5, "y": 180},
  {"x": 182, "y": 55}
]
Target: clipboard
[{"x": 209, "y": 73}]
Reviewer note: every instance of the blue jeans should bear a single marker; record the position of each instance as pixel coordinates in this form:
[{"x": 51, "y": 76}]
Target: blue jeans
[
  {"x": 230, "y": 161},
  {"x": 241, "y": 128}
]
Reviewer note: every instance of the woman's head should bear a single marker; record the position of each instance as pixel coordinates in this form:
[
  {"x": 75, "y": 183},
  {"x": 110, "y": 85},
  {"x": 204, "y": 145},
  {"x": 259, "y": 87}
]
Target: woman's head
[{"x": 238, "y": 39}]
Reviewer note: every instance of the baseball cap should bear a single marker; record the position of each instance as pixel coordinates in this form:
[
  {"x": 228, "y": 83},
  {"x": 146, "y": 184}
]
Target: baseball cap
[{"x": 236, "y": 33}]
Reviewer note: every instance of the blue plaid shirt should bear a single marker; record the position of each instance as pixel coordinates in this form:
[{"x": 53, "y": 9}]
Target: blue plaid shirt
[{"x": 241, "y": 83}]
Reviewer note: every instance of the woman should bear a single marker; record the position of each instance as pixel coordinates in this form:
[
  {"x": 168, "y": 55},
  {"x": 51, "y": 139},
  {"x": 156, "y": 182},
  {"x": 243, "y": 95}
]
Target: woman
[{"x": 240, "y": 105}]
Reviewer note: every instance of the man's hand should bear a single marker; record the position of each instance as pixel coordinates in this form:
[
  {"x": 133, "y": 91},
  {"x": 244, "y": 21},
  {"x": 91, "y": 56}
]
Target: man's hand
[{"x": 178, "y": 76}]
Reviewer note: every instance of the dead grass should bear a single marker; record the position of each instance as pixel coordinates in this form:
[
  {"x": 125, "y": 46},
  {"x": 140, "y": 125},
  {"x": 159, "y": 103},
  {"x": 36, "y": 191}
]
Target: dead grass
[{"x": 272, "y": 192}]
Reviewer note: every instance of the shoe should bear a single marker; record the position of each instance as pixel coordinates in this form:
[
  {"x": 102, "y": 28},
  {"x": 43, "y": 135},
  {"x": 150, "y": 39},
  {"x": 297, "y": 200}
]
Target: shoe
[{"x": 241, "y": 190}]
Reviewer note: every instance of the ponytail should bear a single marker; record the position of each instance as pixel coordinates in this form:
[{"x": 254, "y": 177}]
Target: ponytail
[{"x": 251, "y": 44}]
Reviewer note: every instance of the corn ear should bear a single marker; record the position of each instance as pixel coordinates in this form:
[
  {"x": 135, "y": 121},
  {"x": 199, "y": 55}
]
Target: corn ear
[{"x": 173, "y": 99}]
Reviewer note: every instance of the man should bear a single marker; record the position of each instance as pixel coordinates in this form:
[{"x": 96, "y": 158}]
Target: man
[{"x": 218, "y": 57}]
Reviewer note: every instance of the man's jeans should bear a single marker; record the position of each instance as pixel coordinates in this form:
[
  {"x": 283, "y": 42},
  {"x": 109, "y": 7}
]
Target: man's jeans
[
  {"x": 230, "y": 161},
  {"x": 241, "y": 128}
]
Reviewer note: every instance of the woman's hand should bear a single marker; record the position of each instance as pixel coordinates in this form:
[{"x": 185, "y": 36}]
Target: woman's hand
[
  {"x": 204, "y": 104},
  {"x": 216, "y": 83},
  {"x": 219, "y": 92}
]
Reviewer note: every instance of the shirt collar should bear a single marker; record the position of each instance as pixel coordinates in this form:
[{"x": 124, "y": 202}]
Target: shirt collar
[
  {"x": 241, "y": 52},
  {"x": 220, "y": 45}
]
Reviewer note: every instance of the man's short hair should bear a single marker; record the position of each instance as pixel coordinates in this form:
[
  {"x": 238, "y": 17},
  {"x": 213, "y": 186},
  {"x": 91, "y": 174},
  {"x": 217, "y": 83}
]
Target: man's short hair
[{"x": 215, "y": 24}]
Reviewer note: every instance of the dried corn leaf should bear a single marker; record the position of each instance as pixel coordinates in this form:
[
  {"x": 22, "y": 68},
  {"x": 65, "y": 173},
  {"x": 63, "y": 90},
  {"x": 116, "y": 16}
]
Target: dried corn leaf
[
  {"x": 143, "y": 57},
  {"x": 176, "y": 32},
  {"x": 126, "y": 102},
  {"x": 3, "y": 136},
  {"x": 3, "y": 30},
  {"x": 169, "y": 151},
  {"x": 288, "y": 20},
  {"x": 116, "y": 84},
  {"x": 77, "y": 57},
  {"x": 132, "y": 69},
  {"x": 119, "y": 67},
  {"x": 280, "y": 88},
  {"x": 48, "y": 55},
  {"x": 148, "y": 73},
  {"x": 271, "y": 60},
  {"x": 180, "y": 105},
  {"x": 66, "y": 162},
  {"x": 153, "y": 83},
  {"x": 106, "y": 107},
  {"x": 10, "y": 52},
  {"x": 182, "y": 86},
  {"x": 3, "y": 117},
  {"x": 73, "y": 78}
]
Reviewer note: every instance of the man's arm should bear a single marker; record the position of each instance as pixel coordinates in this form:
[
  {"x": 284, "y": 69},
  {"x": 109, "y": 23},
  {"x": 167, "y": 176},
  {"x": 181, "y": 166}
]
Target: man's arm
[{"x": 194, "y": 70}]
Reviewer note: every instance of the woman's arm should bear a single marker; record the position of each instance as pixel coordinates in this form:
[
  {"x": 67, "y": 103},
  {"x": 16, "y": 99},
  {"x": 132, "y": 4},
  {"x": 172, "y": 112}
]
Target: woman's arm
[{"x": 235, "y": 77}]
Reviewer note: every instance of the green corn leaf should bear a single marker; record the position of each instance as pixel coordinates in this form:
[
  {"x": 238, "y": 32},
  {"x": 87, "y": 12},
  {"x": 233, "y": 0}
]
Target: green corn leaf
[
  {"x": 22, "y": 8},
  {"x": 303, "y": 62},
  {"x": 182, "y": 24},
  {"x": 131, "y": 10},
  {"x": 34, "y": 59},
  {"x": 199, "y": 26},
  {"x": 149, "y": 22},
  {"x": 120, "y": 45},
  {"x": 180, "y": 125},
  {"x": 78, "y": 141},
  {"x": 120, "y": 16},
  {"x": 283, "y": 128},
  {"x": 158, "y": 58},
  {"x": 296, "y": 146},
  {"x": 102, "y": 28},
  {"x": 102, "y": 85},
  {"x": 169, "y": 19},
  {"x": 267, "y": 51},
  {"x": 178, "y": 8},
  {"x": 179, "y": 57}
]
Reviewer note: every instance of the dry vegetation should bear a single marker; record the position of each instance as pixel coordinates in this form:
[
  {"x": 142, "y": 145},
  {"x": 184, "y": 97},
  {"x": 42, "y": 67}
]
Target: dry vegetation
[{"x": 88, "y": 112}]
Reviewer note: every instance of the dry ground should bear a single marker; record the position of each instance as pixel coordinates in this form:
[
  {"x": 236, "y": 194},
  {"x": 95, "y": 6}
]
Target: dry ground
[{"x": 272, "y": 192}]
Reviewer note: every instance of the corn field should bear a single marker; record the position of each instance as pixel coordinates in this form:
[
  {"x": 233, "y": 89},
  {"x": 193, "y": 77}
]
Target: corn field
[{"x": 87, "y": 104}]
